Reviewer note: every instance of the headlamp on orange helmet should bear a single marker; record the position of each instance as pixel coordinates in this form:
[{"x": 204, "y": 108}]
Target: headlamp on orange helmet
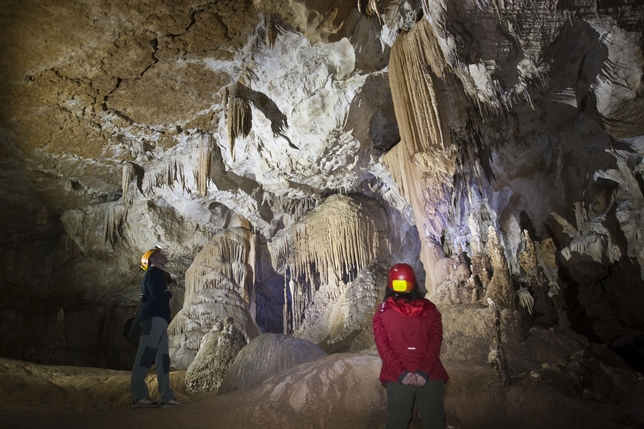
[
  {"x": 145, "y": 259},
  {"x": 401, "y": 278}
]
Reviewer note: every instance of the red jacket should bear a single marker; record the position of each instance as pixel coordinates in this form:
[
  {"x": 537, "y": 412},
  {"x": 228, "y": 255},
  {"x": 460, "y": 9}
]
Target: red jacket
[{"x": 409, "y": 336}]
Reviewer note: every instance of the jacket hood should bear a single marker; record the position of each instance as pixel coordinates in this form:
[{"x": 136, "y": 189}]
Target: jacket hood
[{"x": 414, "y": 308}]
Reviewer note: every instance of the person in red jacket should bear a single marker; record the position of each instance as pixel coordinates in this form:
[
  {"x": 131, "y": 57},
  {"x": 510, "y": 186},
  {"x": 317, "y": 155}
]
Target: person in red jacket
[{"x": 408, "y": 332}]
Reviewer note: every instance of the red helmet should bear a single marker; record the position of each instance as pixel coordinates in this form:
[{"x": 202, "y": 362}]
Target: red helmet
[{"x": 401, "y": 278}]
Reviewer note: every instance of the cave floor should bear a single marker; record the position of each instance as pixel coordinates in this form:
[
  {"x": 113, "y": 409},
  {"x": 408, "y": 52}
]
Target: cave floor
[{"x": 338, "y": 391}]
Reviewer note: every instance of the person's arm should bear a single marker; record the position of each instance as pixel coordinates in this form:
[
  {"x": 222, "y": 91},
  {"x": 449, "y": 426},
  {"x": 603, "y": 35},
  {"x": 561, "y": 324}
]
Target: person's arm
[
  {"x": 386, "y": 351},
  {"x": 434, "y": 341}
]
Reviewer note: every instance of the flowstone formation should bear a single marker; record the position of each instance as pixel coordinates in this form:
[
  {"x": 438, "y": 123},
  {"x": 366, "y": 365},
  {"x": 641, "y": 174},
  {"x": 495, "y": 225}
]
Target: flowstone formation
[
  {"x": 219, "y": 285},
  {"x": 265, "y": 356}
]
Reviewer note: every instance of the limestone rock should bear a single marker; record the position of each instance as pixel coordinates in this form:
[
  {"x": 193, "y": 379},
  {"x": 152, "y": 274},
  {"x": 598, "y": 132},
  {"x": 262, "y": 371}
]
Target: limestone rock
[
  {"x": 218, "y": 288},
  {"x": 218, "y": 350},
  {"x": 501, "y": 288},
  {"x": 265, "y": 356}
]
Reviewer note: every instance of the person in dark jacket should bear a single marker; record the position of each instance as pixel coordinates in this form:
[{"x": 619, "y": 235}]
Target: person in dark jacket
[
  {"x": 153, "y": 345},
  {"x": 408, "y": 332}
]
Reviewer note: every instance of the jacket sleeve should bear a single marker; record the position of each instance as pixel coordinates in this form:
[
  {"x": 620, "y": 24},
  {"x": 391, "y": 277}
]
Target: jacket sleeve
[
  {"x": 434, "y": 342},
  {"x": 386, "y": 351}
]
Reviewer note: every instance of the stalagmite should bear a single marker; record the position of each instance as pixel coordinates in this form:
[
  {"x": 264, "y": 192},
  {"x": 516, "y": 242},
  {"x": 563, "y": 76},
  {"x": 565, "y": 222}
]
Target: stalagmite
[
  {"x": 536, "y": 281},
  {"x": 496, "y": 358},
  {"x": 480, "y": 262},
  {"x": 218, "y": 287},
  {"x": 56, "y": 354},
  {"x": 500, "y": 289}
]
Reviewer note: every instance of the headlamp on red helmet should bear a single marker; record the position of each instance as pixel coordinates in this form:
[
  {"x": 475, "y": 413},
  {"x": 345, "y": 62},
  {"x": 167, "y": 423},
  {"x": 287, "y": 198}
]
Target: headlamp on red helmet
[{"x": 401, "y": 278}]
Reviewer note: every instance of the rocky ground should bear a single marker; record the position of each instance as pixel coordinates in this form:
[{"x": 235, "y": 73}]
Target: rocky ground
[{"x": 336, "y": 391}]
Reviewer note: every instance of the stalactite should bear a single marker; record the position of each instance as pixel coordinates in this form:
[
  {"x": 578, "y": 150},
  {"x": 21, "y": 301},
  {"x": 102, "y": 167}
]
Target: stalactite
[
  {"x": 271, "y": 29},
  {"x": 170, "y": 173},
  {"x": 203, "y": 168},
  {"x": 239, "y": 116},
  {"x": 338, "y": 237},
  {"x": 424, "y": 162},
  {"x": 128, "y": 175},
  {"x": 416, "y": 65},
  {"x": 113, "y": 221},
  {"x": 589, "y": 238},
  {"x": 294, "y": 207},
  {"x": 373, "y": 7}
]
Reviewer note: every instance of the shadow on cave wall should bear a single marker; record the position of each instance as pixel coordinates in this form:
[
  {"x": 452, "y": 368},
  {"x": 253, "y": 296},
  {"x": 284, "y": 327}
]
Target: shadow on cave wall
[{"x": 604, "y": 304}]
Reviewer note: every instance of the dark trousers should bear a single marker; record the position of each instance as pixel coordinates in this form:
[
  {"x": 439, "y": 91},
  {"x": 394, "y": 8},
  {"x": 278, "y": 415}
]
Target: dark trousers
[
  {"x": 153, "y": 348},
  {"x": 429, "y": 401}
]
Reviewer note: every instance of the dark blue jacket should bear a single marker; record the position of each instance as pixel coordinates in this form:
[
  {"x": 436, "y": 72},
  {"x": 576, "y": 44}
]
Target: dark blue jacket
[{"x": 156, "y": 296}]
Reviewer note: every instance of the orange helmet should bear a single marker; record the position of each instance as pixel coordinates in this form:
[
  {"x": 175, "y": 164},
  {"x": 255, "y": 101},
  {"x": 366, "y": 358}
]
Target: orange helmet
[
  {"x": 145, "y": 259},
  {"x": 401, "y": 278}
]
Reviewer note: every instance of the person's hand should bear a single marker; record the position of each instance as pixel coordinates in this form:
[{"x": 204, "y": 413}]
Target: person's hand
[
  {"x": 420, "y": 381},
  {"x": 410, "y": 379}
]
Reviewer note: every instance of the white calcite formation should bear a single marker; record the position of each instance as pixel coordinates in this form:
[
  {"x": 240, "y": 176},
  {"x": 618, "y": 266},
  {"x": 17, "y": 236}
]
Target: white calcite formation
[
  {"x": 265, "y": 356},
  {"x": 219, "y": 286},
  {"x": 217, "y": 351}
]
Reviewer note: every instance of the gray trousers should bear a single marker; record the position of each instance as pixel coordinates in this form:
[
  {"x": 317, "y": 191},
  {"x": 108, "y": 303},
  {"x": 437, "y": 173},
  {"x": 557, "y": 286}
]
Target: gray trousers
[
  {"x": 429, "y": 401},
  {"x": 153, "y": 347}
]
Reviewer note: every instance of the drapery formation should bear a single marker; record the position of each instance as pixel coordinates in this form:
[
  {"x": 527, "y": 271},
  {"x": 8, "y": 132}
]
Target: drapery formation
[
  {"x": 424, "y": 162},
  {"x": 329, "y": 246}
]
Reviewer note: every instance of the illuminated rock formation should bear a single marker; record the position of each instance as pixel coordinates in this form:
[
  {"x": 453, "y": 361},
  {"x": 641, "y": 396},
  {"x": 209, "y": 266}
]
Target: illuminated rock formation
[
  {"x": 218, "y": 350},
  {"x": 265, "y": 356},
  {"x": 219, "y": 288}
]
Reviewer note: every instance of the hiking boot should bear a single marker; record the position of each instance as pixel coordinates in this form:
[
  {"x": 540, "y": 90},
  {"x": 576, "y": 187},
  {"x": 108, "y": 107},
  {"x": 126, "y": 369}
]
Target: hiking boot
[
  {"x": 145, "y": 403},
  {"x": 170, "y": 403}
]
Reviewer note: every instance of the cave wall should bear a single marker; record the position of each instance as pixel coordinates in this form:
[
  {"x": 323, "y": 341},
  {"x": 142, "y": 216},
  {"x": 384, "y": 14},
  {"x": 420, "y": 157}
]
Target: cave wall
[
  {"x": 508, "y": 119},
  {"x": 485, "y": 143}
]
